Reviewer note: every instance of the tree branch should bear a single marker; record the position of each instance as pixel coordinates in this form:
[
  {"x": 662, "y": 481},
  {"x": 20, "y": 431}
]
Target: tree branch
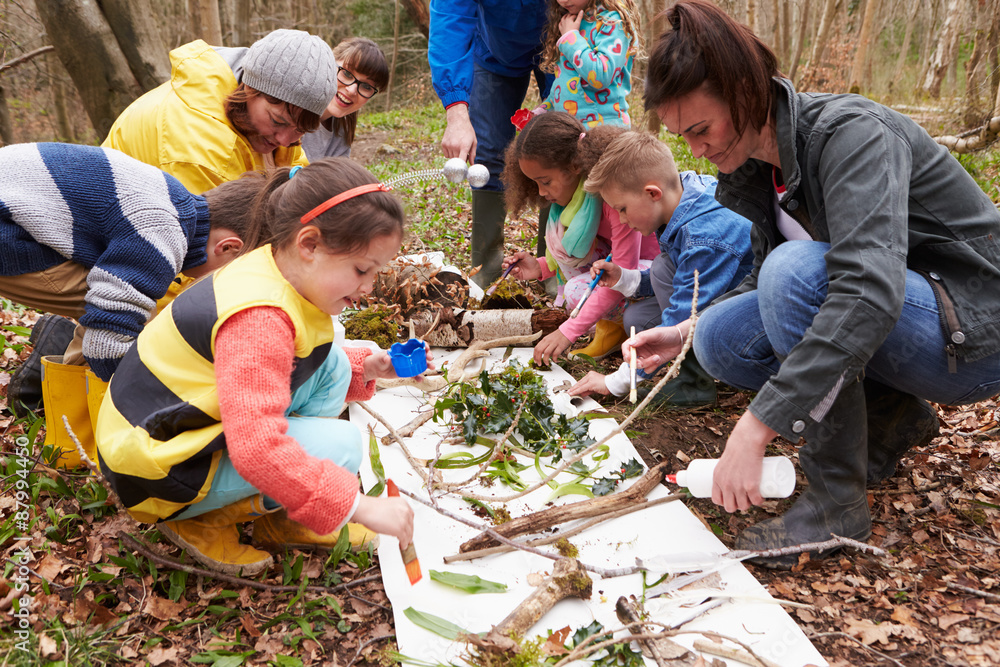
[{"x": 20, "y": 60}]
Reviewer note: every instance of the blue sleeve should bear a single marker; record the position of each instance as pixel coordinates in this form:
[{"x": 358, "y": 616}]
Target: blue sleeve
[
  {"x": 599, "y": 56},
  {"x": 449, "y": 49}
]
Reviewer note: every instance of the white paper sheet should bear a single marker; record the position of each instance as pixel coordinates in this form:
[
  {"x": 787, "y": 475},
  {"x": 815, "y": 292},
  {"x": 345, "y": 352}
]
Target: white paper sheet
[{"x": 664, "y": 529}]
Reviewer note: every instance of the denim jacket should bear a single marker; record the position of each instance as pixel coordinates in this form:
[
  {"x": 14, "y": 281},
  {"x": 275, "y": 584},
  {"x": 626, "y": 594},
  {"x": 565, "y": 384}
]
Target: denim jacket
[
  {"x": 873, "y": 184},
  {"x": 702, "y": 235}
]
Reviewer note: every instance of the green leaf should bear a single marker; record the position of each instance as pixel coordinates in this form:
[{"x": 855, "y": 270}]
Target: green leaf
[
  {"x": 375, "y": 458},
  {"x": 469, "y": 583},
  {"x": 604, "y": 486},
  {"x": 573, "y": 488},
  {"x": 435, "y": 624},
  {"x": 285, "y": 661}
]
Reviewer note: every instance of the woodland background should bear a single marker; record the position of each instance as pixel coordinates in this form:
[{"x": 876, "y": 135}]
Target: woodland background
[{"x": 68, "y": 67}]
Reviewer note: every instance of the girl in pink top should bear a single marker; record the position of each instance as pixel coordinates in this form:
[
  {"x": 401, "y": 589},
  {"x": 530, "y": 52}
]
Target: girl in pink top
[{"x": 548, "y": 163}]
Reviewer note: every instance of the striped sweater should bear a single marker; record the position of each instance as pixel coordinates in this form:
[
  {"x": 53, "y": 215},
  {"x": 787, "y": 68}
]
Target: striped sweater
[{"x": 133, "y": 226}]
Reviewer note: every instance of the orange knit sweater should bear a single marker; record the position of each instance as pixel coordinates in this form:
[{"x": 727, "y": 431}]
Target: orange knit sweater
[{"x": 254, "y": 354}]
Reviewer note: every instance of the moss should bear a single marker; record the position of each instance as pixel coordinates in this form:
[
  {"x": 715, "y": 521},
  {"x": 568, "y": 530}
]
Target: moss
[
  {"x": 580, "y": 583},
  {"x": 566, "y": 548},
  {"x": 508, "y": 294},
  {"x": 374, "y": 323},
  {"x": 500, "y": 515}
]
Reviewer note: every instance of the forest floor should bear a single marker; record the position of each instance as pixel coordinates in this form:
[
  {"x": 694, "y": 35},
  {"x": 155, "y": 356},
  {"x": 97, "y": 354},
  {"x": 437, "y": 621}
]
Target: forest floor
[{"x": 101, "y": 599}]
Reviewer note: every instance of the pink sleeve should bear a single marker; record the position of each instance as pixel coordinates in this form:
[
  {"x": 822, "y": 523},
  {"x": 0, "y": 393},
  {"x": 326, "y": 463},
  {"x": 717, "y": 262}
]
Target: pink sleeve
[
  {"x": 625, "y": 245},
  {"x": 359, "y": 390},
  {"x": 543, "y": 264},
  {"x": 254, "y": 353}
]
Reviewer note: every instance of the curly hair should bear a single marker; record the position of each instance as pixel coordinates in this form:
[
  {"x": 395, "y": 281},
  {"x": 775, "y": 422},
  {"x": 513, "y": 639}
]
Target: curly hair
[
  {"x": 556, "y": 140},
  {"x": 625, "y": 8}
]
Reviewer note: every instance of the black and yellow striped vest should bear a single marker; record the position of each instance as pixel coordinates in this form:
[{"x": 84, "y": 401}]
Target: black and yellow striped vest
[{"x": 159, "y": 433}]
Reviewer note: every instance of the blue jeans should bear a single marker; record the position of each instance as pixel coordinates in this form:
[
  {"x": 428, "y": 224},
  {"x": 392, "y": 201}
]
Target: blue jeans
[
  {"x": 742, "y": 340},
  {"x": 312, "y": 421},
  {"x": 492, "y": 101}
]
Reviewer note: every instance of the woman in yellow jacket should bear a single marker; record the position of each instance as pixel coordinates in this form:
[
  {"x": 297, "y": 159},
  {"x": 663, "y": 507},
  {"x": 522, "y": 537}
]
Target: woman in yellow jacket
[{"x": 226, "y": 111}]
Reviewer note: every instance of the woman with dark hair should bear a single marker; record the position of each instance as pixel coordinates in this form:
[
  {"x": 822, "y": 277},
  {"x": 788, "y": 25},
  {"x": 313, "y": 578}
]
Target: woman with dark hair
[
  {"x": 362, "y": 72},
  {"x": 877, "y": 262}
]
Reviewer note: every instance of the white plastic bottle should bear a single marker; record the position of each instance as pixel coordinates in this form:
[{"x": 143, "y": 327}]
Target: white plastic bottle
[{"x": 777, "y": 479}]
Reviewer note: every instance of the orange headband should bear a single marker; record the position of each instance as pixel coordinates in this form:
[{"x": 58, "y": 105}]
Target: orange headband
[{"x": 342, "y": 197}]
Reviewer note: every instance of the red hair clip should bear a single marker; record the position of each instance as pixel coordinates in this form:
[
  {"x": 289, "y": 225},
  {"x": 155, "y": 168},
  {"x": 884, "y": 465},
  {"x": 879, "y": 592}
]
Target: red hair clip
[{"x": 342, "y": 197}]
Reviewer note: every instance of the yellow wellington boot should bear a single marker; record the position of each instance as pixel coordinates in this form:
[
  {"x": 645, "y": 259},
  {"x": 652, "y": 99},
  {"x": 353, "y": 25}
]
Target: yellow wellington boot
[
  {"x": 277, "y": 530},
  {"x": 607, "y": 339},
  {"x": 96, "y": 388},
  {"x": 213, "y": 538},
  {"x": 64, "y": 392}
]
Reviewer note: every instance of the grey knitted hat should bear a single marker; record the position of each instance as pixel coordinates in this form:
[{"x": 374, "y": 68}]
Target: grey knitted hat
[{"x": 293, "y": 66}]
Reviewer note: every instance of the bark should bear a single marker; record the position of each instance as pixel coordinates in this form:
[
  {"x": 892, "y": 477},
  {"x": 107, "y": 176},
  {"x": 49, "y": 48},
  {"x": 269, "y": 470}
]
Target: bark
[
  {"x": 208, "y": 25},
  {"x": 419, "y": 12},
  {"x": 994, "y": 53},
  {"x": 241, "y": 23},
  {"x": 6, "y": 129},
  {"x": 974, "y": 75},
  {"x": 859, "y": 72},
  {"x": 584, "y": 509},
  {"x": 656, "y": 27},
  {"x": 135, "y": 27},
  {"x": 65, "y": 127},
  {"x": 822, "y": 34},
  {"x": 661, "y": 649},
  {"x": 972, "y": 141},
  {"x": 946, "y": 50},
  {"x": 461, "y": 328},
  {"x": 395, "y": 56},
  {"x": 800, "y": 39},
  {"x": 904, "y": 51},
  {"x": 90, "y": 53},
  {"x": 568, "y": 580},
  {"x": 786, "y": 39}
]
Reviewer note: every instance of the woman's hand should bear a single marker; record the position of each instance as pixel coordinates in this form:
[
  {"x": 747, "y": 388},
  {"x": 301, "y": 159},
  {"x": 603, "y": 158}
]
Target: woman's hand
[
  {"x": 736, "y": 483},
  {"x": 655, "y": 347},
  {"x": 592, "y": 383},
  {"x": 570, "y": 23},
  {"x": 386, "y": 516},
  {"x": 526, "y": 266},
  {"x": 612, "y": 273},
  {"x": 550, "y": 347}
]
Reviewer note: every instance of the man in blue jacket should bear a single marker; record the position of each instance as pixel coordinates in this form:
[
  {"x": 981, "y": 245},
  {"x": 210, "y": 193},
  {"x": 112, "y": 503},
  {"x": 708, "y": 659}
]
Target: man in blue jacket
[{"x": 482, "y": 55}]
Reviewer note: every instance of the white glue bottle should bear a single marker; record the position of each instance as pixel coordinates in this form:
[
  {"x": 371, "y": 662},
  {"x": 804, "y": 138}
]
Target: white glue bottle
[{"x": 777, "y": 479}]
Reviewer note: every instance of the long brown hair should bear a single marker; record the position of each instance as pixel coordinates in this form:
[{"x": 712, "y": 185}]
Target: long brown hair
[
  {"x": 705, "y": 46},
  {"x": 363, "y": 57},
  {"x": 625, "y": 8},
  {"x": 556, "y": 140},
  {"x": 345, "y": 228}
]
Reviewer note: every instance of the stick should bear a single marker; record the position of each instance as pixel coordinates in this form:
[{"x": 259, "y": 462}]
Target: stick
[
  {"x": 632, "y": 392},
  {"x": 590, "y": 290},
  {"x": 568, "y": 579},
  {"x": 661, "y": 649},
  {"x": 732, "y": 653}
]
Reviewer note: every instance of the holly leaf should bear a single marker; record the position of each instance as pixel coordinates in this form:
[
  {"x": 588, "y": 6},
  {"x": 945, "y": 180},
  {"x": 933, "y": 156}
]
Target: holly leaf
[{"x": 603, "y": 486}]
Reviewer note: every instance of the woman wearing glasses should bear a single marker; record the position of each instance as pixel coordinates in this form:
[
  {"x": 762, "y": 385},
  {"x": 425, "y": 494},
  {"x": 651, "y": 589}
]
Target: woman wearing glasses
[{"x": 362, "y": 72}]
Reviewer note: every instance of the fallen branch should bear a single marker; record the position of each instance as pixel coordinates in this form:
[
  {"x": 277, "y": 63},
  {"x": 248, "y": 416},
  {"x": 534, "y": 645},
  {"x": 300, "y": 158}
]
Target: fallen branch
[
  {"x": 460, "y": 328},
  {"x": 568, "y": 580},
  {"x": 973, "y": 591},
  {"x": 973, "y": 140},
  {"x": 539, "y": 521},
  {"x": 859, "y": 643},
  {"x": 834, "y": 543},
  {"x": 730, "y": 653},
  {"x": 660, "y": 649},
  {"x": 565, "y": 534}
]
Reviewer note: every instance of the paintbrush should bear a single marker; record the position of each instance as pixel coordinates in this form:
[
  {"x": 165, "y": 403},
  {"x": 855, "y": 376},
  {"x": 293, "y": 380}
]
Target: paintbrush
[
  {"x": 632, "y": 392},
  {"x": 409, "y": 554},
  {"x": 590, "y": 288},
  {"x": 493, "y": 287}
]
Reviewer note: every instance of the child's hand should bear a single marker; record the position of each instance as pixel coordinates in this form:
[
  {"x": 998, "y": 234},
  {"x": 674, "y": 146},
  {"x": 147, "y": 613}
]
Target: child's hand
[
  {"x": 592, "y": 383},
  {"x": 551, "y": 347},
  {"x": 386, "y": 516},
  {"x": 526, "y": 266},
  {"x": 612, "y": 273},
  {"x": 379, "y": 365},
  {"x": 570, "y": 23}
]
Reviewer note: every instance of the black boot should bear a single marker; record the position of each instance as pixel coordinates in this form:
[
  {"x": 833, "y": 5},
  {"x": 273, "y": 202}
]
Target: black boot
[
  {"x": 692, "y": 388},
  {"x": 834, "y": 460},
  {"x": 896, "y": 422},
  {"x": 50, "y": 337},
  {"x": 488, "y": 215}
]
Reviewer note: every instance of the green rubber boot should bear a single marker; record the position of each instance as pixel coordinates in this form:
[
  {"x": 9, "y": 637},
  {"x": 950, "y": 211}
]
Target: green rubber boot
[
  {"x": 834, "y": 459},
  {"x": 692, "y": 388},
  {"x": 897, "y": 422},
  {"x": 488, "y": 215}
]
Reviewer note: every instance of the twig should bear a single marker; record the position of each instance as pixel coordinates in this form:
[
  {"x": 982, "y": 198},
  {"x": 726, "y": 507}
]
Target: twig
[
  {"x": 479, "y": 553},
  {"x": 497, "y": 450},
  {"x": 40, "y": 577},
  {"x": 859, "y": 643},
  {"x": 395, "y": 436},
  {"x": 837, "y": 541},
  {"x": 899, "y": 492},
  {"x": 411, "y": 428},
  {"x": 25, "y": 57},
  {"x": 365, "y": 645},
  {"x": 973, "y": 591},
  {"x": 147, "y": 551},
  {"x": 730, "y": 653}
]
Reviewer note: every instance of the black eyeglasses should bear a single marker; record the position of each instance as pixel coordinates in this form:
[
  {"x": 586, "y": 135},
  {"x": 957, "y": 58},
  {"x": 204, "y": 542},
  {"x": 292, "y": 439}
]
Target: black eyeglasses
[{"x": 346, "y": 77}]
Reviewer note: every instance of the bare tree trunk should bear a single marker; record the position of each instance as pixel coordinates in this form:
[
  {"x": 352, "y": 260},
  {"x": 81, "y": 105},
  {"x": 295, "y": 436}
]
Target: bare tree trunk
[
  {"x": 395, "y": 56},
  {"x": 800, "y": 39},
  {"x": 419, "y": 13},
  {"x": 135, "y": 27},
  {"x": 241, "y": 23},
  {"x": 207, "y": 23},
  {"x": 786, "y": 35},
  {"x": 656, "y": 26},
  {"x": 994, "y": 50},
  {"x": 752, "y": 12},
  {"x": 6, "y": 129},
  {"x": 822, "y": 34},
  {"x": 63, "y": 124},
  {"x": 88, "y": 49},
  {"x": 974, "y": 75},
  {"x": 904, "y": 51},
  {"x": 929, "y": 39},
  {"x": 945, "y": 52},
  {"x": 859, "y": 73}
]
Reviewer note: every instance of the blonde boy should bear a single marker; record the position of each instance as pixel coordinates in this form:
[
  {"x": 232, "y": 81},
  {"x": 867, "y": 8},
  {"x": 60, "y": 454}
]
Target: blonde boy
[{"x": 638, "y": 178}]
